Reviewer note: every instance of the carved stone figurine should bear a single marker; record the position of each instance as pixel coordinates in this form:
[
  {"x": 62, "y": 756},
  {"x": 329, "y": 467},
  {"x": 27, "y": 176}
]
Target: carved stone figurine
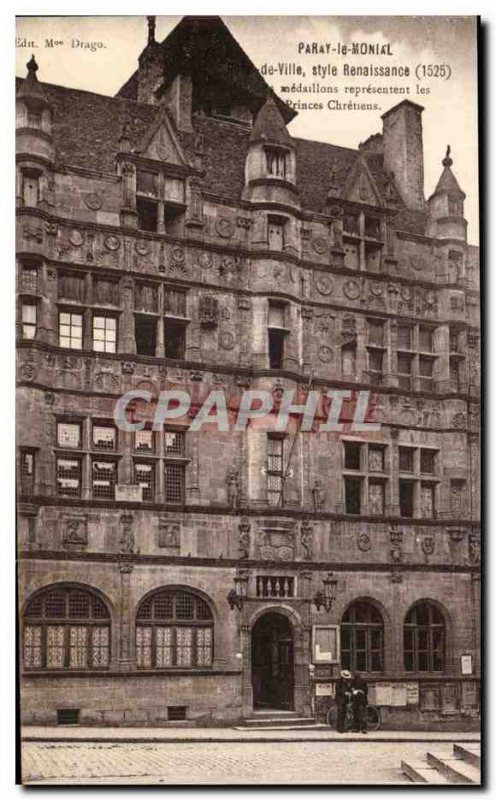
[
  {"x": 232, "y": 488},
  {"x": 307, "y": 542},
  {"x": 244, "y": 538},
  {"x": 127, "y": 536},
  {"x": 396, "y": 554},
  {"x": 318, "y": 495}
]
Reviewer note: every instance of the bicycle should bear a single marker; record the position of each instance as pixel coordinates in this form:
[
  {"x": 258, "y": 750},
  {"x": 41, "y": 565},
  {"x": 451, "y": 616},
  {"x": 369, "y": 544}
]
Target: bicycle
[{"x": 373, "y": 717}]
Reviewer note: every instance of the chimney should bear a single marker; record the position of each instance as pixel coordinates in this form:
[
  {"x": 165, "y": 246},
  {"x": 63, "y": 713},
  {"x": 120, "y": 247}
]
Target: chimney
[
  {"x": 403, "y": 151},
  {"x": 178, "y": 97},
  {"x": 151, "y": 68}
]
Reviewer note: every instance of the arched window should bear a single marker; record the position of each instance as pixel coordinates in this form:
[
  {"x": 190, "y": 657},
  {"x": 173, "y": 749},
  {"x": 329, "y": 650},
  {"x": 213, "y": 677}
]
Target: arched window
[
  {"x": 362, "y": 638},
  {"x": 424, "y": 638},
  {"x": 66, "y": 628},
  {"x": 174, "y": 628}
]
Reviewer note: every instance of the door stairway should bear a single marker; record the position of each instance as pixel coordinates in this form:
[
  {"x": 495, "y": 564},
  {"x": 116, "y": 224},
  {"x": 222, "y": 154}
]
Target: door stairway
[
  {"x": 461, "y": 765},
  {"x": 276, "y": 719}
]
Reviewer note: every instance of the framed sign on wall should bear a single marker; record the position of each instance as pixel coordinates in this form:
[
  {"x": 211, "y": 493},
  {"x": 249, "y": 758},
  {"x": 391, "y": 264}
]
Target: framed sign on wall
[
  {"x": 466, "y": 664},
  {"x": 326, "y": 644}
]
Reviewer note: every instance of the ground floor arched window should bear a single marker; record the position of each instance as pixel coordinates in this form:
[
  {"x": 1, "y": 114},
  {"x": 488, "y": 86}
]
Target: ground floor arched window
[
  {"x": 424, "y": 638},
  {"x": 174, "y": 628},
  {"x": 362, "y": 638},
  {"x": 66, "y": 627}
]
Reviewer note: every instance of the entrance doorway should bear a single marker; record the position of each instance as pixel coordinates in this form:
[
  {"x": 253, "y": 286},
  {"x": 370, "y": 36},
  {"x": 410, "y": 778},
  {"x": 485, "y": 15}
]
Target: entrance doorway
[{"x": 272, "y": 664}]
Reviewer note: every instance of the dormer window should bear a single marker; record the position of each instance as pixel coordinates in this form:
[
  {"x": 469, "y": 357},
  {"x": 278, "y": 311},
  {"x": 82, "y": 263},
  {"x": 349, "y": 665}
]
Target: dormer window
[
  {"x": 362, "y": 241},
  {"x": 159, "y": 202},
  {"x": 147, "y": 214},
  {"x": 147, "y": 183},
  {"x": 276, "y": 162}
]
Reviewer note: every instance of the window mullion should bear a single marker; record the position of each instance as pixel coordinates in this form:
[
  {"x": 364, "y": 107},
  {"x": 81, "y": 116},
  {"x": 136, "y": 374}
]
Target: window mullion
[
  {"x": 174, "y": 644},
  {"x": 430, "y": 645},
  {"x": 153, "y": 643},
  {"x": 368, "y": 652},
  {"x": 44, "y": 635},
  {"x": 67, "y": 644},
  {"x": 89, "y": 642}
]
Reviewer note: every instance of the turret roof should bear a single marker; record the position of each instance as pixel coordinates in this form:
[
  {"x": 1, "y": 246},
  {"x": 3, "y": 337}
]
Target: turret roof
[
  {"x": 269, "y": 125},
  {"x": 447, "y": 182},
  {"x": 31, "y": 88}
]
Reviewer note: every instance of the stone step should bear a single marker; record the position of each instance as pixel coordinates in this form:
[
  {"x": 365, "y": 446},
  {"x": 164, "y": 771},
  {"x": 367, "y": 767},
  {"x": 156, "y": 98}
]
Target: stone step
[
  {"x": 420, "y": 772},
  {"x": 454, "y": 769},
  {"x": 272, "y": 713},
  {"x": 269, "y": 728},
  {"x": 279, "y": 722},
  {"x": 469, "y": 753}
]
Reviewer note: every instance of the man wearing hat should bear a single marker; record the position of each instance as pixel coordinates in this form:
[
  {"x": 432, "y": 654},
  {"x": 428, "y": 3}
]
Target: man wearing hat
[
  {"x": 359, "y": 694},
  {"x": 343, "y": 695}
]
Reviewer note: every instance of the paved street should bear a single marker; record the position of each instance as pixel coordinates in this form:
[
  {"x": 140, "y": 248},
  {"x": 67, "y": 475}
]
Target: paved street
[{"x": 217, "y": 763}]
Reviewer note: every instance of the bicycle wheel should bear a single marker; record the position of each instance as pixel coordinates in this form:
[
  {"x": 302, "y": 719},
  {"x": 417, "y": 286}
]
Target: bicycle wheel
[
  {"x": 373, "y": 718},
  {"x": 332, "y": 717}
]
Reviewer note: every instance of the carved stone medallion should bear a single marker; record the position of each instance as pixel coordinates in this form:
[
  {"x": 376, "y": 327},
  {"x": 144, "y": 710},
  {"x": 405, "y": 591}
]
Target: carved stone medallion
[
  {"x": 324, "y": 285},
  {"x": 93, "y": 201},
  {"x": 351, "y": 289},
  {"x": 112, "y": 242},
  {"x": 227, "y": 340},
  {"x": 326, "y": 354},
  {"x": 225, "y": 227}
]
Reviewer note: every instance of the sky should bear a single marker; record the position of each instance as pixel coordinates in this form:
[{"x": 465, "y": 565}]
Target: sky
[{"x": 113, "y": 45}]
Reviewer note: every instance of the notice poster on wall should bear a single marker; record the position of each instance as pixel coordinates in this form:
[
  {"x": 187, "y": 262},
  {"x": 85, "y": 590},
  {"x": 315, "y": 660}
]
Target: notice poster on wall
[
  {"x": 466, "y": 664},
  {"x": 398, "y": 694},
  {"x": 412, "y": 694},
  {"x": 324, "y": 689},
  {"x": 382, "y": 694}
]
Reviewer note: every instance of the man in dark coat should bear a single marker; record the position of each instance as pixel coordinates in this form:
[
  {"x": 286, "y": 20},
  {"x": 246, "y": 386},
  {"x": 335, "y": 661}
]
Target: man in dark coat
[
  {"x": 359, "y": 696},
  {"x": 342, "y": 697}
]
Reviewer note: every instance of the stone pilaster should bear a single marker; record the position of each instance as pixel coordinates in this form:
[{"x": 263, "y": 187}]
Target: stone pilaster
[
  {"x": 291, "y": 358},
  {"x": 127, "y": 341},
  {"x": 126, "y": 661}
]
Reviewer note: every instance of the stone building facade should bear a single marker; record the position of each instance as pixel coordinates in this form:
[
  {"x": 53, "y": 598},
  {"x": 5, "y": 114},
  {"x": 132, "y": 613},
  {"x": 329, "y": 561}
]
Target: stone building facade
[{"x": 177, "y": 236}]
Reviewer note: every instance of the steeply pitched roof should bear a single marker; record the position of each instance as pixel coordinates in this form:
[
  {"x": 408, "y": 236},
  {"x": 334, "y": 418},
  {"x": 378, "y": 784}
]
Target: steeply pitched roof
[
  {"x": 31, "y": 88},
  {"x": 87, "y": 126},
  {"x": 204, "y": 48},
  {"x": 448, "y": 183},
  {"x": 269, "y": 125}
]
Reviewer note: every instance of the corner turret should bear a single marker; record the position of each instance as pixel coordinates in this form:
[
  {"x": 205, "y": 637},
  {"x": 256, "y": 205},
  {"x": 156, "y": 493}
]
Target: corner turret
[
  {"x": 270, "y": 167},
  {"x": 446, "y": 212},
  {"x": 34, "y": 145}
]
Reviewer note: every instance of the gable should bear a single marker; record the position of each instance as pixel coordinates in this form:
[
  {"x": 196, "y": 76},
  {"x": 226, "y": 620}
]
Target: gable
[
  {"x": 160, "y": 143},
  {"x": 360, "y": 186}
]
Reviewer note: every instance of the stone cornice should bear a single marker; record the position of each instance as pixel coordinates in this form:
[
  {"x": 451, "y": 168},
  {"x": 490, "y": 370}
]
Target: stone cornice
[
  {"x": 237, "y": 371},
  {"x": 233, "y": 563},
  {"x": 261, "y": 512}
]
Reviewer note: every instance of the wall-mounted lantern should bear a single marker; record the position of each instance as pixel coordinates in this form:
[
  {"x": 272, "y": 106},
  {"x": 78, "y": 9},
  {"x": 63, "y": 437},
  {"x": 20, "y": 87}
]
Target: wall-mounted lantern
[
  {"x": 325, "y": 597},
  {"x": 236, "y": 596}
]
